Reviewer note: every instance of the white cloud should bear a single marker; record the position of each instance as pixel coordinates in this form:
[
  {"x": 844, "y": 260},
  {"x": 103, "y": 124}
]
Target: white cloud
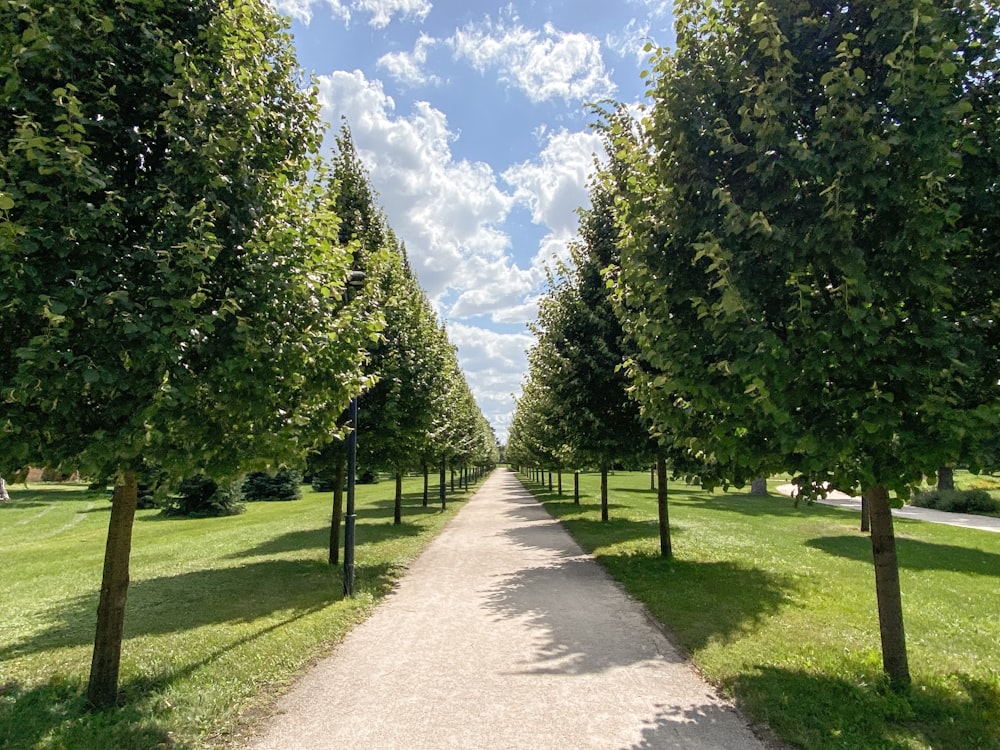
[
  {"x": 300, "y": 10},
  {"x": 546, "y": 64},
  {"x": 631, "y": 41},
  {"x": 408, "y": 67},
  {"x": 449, "y": 212},
  {"x": 381, "y": 12},
  {"x": 554, "y": 187},
  {"x": 494, "y": 364}
]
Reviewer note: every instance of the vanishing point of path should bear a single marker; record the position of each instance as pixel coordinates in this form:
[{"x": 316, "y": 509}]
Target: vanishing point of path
[{"x": 504, "y": 634}]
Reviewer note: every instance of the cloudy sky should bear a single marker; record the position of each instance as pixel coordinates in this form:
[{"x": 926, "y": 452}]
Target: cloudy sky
[{"x": 471, "y": 118}]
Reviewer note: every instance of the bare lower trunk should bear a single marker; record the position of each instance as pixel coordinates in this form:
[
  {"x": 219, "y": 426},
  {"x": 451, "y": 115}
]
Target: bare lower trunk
[
  {"x": 604, "y": 493},
  {"x": 576, "y": 488},
  {"x": 337, "y": 515},
  {"x": 442, "y": 488},
  {"x": 397, "y": 513},
  {"x": 426, "y": 482},
  {"x": 102, "y": 690},
  {"x": 865, "y": 513},
  {"x": 666, "y": 548},
  {"x": 946, "y": 478},
  {"x": 758, "y": 486},
  {"x": 560, "y": 482},
  {"x": 652, "y": 477},
  {"x": 890, "y": 603}
]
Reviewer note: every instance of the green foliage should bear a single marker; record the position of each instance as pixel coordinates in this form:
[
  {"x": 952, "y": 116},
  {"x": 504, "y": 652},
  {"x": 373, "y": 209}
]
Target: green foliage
[
  {"x": 957, "y": 501},
  {"x": 199, "y": 496},
  {"x": 284, "y": 484},
  {"x": 806, "y": 191},
  {"x": 167, "y": 264}
]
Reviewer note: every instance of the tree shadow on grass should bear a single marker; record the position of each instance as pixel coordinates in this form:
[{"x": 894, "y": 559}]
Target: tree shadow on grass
[
  {"x": 186, "y": 601},
  {"x": 58, "y": 709},
  {"x": 55, "y": 715},
  {"x": 821, "y": 712},
  {"x": 914, "y": 554}
]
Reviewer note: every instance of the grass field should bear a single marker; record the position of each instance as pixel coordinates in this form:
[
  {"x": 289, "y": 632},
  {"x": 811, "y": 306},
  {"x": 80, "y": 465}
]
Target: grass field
[
  {"x": 221, "y": 615},
  {"x": 776, "y": 605}
]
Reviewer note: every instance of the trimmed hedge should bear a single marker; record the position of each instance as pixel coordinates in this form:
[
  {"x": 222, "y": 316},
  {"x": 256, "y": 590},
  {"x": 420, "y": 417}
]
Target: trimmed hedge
[{"x": 957, "y": 501}]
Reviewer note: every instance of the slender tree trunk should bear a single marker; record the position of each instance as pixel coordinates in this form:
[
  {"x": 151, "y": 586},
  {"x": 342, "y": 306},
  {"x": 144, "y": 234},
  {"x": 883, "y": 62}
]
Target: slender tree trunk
[
  {"x": 397, "y": 513},
  {"x": 759, "y": 486},
  {"x": 426, "y": 470},
  {"x": 337, "y": 516},
  {"x": 890, "y": 603},
  {"x": 576, "y": 488},
  {"x": 866, "y": 513},
  {"x": 652, "y": 475},
  {"x": 560, "y": 482},
  {"x": 666, "y": 547},
  {"x": 945, "y": 478},
  {"x": 443, "y": 489},
  {"x": 102, "y": 690},
  {"x": 604, "y": 493},
  {"x": 550, "y": 480},
  {"x": 453, "y": 481}
]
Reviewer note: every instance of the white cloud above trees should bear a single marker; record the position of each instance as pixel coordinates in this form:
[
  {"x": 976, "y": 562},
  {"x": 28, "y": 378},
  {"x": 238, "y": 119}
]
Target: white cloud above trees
[{"x": 542, "y": 63}]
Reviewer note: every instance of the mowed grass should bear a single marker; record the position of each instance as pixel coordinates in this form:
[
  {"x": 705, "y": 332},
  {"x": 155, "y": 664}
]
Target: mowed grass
[
  {"x": 222, "y": 612},
  {"x": 776, "y": 605}
]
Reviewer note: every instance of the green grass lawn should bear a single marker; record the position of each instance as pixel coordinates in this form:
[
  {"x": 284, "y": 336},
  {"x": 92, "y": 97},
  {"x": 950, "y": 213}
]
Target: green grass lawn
[
  {"x": 222, "y": 612},
  {"x": 776, "y": 605}
]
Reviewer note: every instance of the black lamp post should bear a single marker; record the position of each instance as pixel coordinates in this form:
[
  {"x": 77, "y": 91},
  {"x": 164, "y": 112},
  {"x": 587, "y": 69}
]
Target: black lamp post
[{"x": 354, "y": 282}]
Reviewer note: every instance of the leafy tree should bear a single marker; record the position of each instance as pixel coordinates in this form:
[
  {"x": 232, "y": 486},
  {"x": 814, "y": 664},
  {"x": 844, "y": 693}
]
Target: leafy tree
[
  {"x": 577, "y": 360},
  {"x": 169, "y": 285},
  {"x": 795, "y": 225}
]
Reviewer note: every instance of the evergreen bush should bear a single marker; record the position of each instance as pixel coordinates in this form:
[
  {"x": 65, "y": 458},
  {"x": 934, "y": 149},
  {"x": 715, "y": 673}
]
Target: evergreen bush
[
  {"x": 200, "y": 496},
  {"x": 283, "y": 485}
]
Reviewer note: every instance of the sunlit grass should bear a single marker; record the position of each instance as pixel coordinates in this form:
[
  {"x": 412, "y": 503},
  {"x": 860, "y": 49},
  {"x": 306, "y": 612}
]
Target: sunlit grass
[
  {"x": 222, "y": 612},
  {"x": 776, "y": 605}
]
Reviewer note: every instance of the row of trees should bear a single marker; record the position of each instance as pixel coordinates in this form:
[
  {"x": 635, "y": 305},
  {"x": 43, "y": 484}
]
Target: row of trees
[
  {"x": 417, "y": 409},
  {"x": 807, "y": 265},
  {"x": 174, "y": 254}
]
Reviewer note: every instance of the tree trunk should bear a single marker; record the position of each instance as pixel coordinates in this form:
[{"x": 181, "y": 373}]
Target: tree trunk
[
  {"x": 890, "y": 603},
  {"x": 666, "y": 548},
  {"x": 550, "y": 480},
  {"x": 945, "y": 478},
  {"x": 560, "y": 482},
  {"x": 604, "y": 493},
  {"x": 397, "y": 512},
  {"x": 652, "y": 475},
  {"x": 102, "y": 690},
  {"x": 426, "y": 480},
  {"x": 453, "y": 481},
  {"x": 865, "y": 513},
  {"x": 337, "y": 516},
  {"x": 576, "y": 488},
  {"x": 759, "y": 486},
  {"x": 443, "y": 489}
]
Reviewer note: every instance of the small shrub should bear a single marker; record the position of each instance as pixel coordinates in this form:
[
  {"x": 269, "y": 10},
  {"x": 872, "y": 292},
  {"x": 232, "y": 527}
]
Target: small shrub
[
  {"x": 283, "y": 485},
  {"x": 323, "y": 484},
  {"x": 199, "y": 496},
  {"x": 957, "y": 501}
]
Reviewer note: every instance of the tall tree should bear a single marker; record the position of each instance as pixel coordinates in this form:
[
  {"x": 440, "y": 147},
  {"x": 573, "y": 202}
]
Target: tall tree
[
  {"x": 167, "y": 272},
  {"x": 795, "y": 226}
]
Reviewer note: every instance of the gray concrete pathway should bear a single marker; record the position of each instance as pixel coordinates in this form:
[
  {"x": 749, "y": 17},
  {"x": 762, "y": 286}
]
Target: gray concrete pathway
[
  {"x": 504, "y": 634},
  {"x": 965, "y": 520}
]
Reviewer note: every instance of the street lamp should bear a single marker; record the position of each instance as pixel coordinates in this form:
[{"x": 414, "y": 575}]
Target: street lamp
[{"x": 354, "y": 282}]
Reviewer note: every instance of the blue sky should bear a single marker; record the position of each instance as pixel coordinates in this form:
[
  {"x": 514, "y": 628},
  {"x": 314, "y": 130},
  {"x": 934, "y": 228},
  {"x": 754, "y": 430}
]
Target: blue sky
[{"x": 471, "y": 119}]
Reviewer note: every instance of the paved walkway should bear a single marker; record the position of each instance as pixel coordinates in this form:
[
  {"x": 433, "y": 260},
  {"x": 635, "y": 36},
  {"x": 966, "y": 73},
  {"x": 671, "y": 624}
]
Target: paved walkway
[
  {"x": 504, "y": 634},
  {"x": 966, "y": 520}
]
